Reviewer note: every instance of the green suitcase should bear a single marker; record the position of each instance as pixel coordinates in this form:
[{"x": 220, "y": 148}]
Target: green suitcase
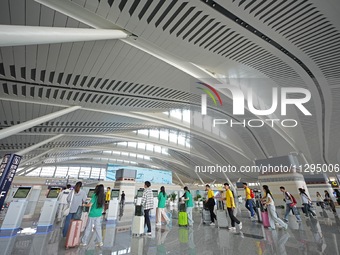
[{"x": 182, "y": 219}]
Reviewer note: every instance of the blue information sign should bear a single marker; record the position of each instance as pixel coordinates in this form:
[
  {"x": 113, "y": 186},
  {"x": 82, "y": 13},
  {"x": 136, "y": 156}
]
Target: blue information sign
[{"x": 8, "y": 168}]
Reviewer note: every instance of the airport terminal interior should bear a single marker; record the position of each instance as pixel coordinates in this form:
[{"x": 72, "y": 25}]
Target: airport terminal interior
[{"x": 105, "y": 104}]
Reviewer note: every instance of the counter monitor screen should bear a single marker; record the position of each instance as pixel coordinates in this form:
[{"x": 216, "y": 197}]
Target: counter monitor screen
[
  {"x": 140, "y": 193},
  {"x": 90, "y": 193},
  {"x": 114, "y": 193},
  {"x": 53, "y": 193},
  {"x": 22, "y": 192},
  {"x": 155, "y": 193}
]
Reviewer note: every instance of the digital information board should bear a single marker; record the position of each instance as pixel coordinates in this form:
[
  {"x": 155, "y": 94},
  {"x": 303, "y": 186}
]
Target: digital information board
[{"x": 142, "y": 175}]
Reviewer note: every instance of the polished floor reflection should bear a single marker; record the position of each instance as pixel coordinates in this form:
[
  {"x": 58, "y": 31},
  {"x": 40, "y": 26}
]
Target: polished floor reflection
[{"x": 312, "y": 236}]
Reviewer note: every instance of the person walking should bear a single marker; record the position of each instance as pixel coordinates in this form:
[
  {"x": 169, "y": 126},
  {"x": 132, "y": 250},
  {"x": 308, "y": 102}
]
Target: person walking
[
  {"x": 75, "y": 199},
  {"x": 330, "y": 201},
  {"x": 62, "y": 199},
  {"x": 107, "y": 199},
  {"x": 290, "y": 205},
  {"x": 210, "y": 203},
  {"x": 319, "y": 200},
  {"x": 249, "y": 201},
  {"x": 122, "y": 198},
  {"x": 97, "y": 204},
  {"x": 161, "y": 207},
  {"x": 189, "y": 205},
  {"x": 147, "y": 203},
  {"x": 306, "y": 202},
  {"x": 230, "y": 204},
  {"x": 269, "y": 202}
]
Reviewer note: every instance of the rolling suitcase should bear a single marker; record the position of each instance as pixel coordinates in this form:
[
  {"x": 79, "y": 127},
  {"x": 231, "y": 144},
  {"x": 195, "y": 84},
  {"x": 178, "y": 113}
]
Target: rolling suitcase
[
  {"x": 84, "y": 219},
  {"x": 138, "y": 225},
  {"x": 206, "y": 216},
  {"x": 222, "y": 219},
  {"x": 182, "y": 219},
  {"x": 265, "y": 219},
  {"x": 73, "y": 234}
]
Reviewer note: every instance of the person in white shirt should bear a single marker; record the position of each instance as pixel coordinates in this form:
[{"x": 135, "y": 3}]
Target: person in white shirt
[
  {"x": 269, "y": 202},
  {"x": 306, "y": 202},
  {"x": 62, "y": 199}
]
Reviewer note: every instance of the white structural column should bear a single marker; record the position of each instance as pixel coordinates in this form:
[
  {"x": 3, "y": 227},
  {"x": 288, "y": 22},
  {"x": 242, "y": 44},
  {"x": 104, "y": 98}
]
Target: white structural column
[
  {"x": 31, "y": 123},
  {"x": 179, "y": 179},
  {"x": 36, "y": 146},
  {"x": 27, "y": 35}
]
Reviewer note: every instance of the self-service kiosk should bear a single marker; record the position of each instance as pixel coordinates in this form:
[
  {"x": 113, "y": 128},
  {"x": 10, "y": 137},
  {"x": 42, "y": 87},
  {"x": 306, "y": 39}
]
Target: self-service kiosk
[
  {"x": 15, "y": 213},
  {"x": 155, "y": 203},
  {"x": 139, "y": 197},
  {"x": 112, "y": 211},
  {"x": 90, "y": 193},
  {"x": 49, "y": 211}
]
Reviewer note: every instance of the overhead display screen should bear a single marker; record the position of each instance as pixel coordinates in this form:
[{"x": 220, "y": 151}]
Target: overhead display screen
[{"x": 142, "y": 175}]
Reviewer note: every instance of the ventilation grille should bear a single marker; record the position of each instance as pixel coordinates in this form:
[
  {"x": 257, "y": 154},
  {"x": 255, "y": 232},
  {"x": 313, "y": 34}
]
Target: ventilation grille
[
  {"x": 195, "y": 26},
  {"x": 108, "y": 98},
  {"x": 306, "y": 27}
]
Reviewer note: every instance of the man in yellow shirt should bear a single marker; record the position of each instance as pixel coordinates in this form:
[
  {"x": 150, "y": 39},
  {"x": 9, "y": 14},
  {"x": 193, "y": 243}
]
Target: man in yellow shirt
[
  {"x": 107, "y": 199},
  {"x": 210, "y": 203},
  {"x": 249, "y": 204},
  {"x": 230, "y": 204}
]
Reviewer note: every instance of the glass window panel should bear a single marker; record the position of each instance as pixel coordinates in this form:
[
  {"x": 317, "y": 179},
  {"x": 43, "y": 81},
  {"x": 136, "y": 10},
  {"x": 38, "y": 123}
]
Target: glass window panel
[
  {"x": 116, "y": 152},
  {"x": 95, "y": 173},
  {"x": 158, "y": 149},
  {"x": 165, "y": 151},
  {"x": 132, "y": 144},
  {"x": 125, "y": 154},
  {"x": 141, "y": 146},
  {"x": 73, "y": 171},
  {"x": 133, "y": 155},
  {"x": 140, "y": 156},
  {"x": 35, "y": 172},
  {"x": 84, "y": 172},
  {"x": 149, "y": 147},
  {"x": 147, "y": 158},
  {"x": 154, "y": 133},
  {"x": 173, "y": 137},
  {"x": 186, "y": 116},
  {"x": 181, "y": 140},
  {"x": 164, "y": 135},
  {"x": 61, "y": 171},
  {"x": 176, "y": 114},
  {"x": 103, "y": 173},
  {"x": 47, "y": 171},
  {"x": 143, "y": 132}
]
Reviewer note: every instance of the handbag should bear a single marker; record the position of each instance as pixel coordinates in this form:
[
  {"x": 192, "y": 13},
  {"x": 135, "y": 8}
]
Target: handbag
[{"x": 79, "y": 212}]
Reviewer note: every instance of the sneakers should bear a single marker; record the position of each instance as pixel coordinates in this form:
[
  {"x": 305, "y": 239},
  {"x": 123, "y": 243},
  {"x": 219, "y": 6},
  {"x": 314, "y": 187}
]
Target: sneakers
[
  {"x": 286, "y": 227},
  {"x": 149, "y": 234},
  {"x": 158, "y": 224},
  {"x": 82, "y": 244},
  {"x": 270, "y": 228},
  {"x": 212, "y": 224},
  {"x": 252, "y": 218},
  {"x": 240, "y": 225},
  {"x": 232, "y": 228},
  {"x": 99, "y": 244}
]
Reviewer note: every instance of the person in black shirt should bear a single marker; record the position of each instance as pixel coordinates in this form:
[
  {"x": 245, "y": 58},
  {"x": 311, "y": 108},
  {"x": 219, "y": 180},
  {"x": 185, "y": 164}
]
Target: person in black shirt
[{"x": 122, "y": 198}]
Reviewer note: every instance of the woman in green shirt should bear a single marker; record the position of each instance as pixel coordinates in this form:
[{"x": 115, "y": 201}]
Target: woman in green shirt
[
  {"x": 97, "y": 205},
  {"x": 161, "y": 207}
]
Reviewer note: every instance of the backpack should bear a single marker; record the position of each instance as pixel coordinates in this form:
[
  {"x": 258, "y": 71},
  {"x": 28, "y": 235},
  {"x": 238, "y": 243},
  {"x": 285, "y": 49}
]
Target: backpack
[
  {"x": 252, "y": 195},
  {"x": 293, "y": 198}
]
